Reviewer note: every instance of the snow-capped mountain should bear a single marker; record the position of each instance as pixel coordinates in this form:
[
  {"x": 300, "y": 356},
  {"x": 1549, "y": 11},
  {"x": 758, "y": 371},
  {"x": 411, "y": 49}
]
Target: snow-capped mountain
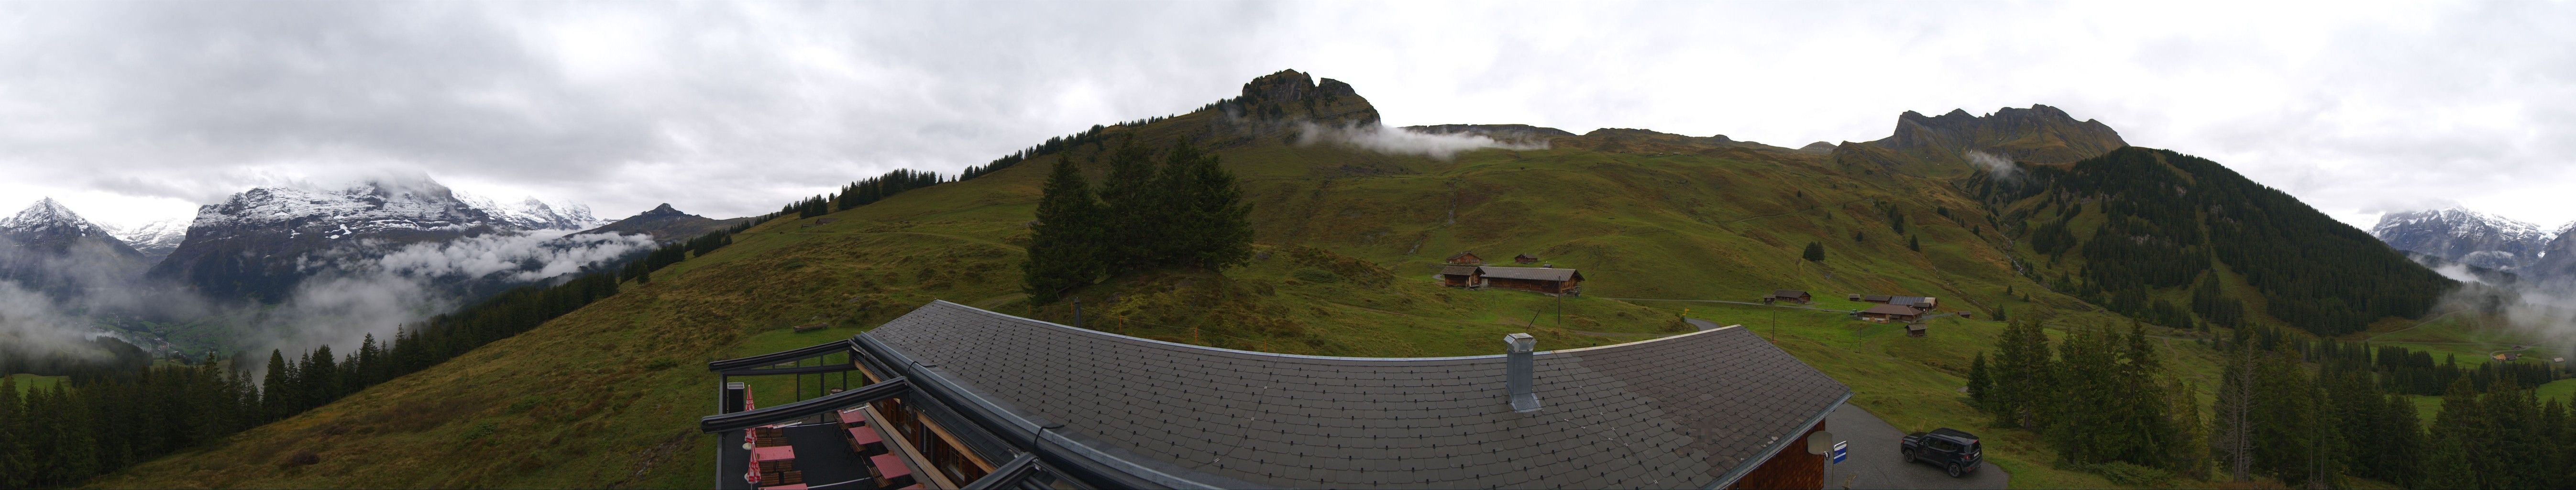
[
  {"x": 534, "y": 214},
  {"x": 155, "y": 239},
  {"x": 49, "y": 218},
  {"x": 48, "y": 247},
  {"x": 2465, "y": 236},
  {"x": 260, "y": 243},
  {"x": 2557, "y": 262}
]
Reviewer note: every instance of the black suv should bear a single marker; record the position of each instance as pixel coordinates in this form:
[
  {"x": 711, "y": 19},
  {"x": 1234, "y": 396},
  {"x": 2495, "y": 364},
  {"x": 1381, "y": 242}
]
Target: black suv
[{"x": 1955, "y": 452}]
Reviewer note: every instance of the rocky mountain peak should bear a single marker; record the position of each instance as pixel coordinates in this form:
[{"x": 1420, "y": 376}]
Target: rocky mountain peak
[
  {"x": 1291, "y": 95},
  {"x": 2038, "y": 134},
  {"x": 664, "y": 210}
]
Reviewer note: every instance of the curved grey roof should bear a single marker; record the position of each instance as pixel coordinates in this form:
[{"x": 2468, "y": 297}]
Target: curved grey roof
[{"x": 1681, "y": 411}]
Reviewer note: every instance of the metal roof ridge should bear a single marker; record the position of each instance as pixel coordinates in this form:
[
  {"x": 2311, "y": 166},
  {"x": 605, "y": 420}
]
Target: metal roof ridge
[
  {"x": 1625, "y": 344},
  {"x": 1306, "y": 356}
]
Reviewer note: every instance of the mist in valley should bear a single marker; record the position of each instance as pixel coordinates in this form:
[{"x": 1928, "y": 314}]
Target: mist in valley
[{"x": 354, "y": 291}]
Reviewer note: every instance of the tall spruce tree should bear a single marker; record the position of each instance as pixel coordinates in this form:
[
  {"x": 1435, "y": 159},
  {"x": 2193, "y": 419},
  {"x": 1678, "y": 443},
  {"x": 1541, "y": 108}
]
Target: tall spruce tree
[
  {"x": 1815, "y": 252},
  {"x": 1137, "y": 214},
  {"x": 1211, "y": 226},
  {"x": 1065, "y": 248}
]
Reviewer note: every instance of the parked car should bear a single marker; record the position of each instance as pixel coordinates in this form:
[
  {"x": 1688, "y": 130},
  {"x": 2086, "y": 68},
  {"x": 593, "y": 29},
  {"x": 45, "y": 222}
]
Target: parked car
[{"x": 1956, "y": 452}]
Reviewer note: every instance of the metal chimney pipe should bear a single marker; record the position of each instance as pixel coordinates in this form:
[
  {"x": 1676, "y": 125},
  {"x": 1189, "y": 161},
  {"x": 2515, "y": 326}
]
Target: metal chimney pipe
[{"x": 1519, "y": 370}]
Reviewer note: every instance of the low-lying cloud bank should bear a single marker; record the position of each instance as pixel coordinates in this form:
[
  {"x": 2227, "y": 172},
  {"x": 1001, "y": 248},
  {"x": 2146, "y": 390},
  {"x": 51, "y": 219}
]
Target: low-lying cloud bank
[
  {"x": 362, "y": 294},
  {"x": 1401, "y": 141},
  {"x": 367, "y": 288},
  {"x": 2546, "y": 310},
  {"x": 1994, "y": 164}
]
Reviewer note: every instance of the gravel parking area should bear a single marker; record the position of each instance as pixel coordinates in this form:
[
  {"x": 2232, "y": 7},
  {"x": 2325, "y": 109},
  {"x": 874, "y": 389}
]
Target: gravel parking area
[{"x": 1875, "y": 463}]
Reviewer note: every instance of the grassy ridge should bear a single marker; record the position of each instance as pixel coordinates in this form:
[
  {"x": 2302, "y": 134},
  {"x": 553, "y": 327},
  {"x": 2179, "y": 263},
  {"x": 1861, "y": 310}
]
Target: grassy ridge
[{"x": 608, "y": 395}]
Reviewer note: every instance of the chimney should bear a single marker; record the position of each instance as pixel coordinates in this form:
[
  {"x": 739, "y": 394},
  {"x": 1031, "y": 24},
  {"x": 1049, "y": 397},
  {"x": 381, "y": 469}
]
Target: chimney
[{"x": 1518, "y": 366}]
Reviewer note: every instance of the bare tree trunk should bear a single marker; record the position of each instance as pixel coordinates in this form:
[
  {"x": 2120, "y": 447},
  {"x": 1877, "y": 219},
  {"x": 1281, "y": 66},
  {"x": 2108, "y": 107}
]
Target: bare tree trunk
[{"x": 2240, "y": 440}]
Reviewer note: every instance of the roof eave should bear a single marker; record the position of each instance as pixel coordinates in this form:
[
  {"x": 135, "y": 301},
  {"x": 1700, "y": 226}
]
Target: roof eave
[{"x": 1740, "y": 470}]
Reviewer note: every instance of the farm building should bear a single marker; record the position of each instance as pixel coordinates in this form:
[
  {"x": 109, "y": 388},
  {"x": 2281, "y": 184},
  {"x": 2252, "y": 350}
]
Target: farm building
[
  {"x": 1916, "y": 330},
  {"x": 1465, "y": 258},
  {"x": 1794, "y": 296},
  {"x": 1548, "y": 280},
  {"x": 1524, "y": 259},
  {"x": 958, "y": 397},
  {"x": 1917, "y": 302},
  {"x": 1462, "y": 276},
  {"x": 1873, "y": 298},
  {"x": 1891, "y": 313},
  {"x": 2506, "y": 356}
]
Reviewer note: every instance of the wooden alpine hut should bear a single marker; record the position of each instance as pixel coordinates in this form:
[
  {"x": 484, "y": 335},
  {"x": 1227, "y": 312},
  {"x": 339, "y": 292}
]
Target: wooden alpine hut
[
  {"x": 1462, "y": 276},
  {"x": 1891, "y": 313},
  {"x": 1524, "y": 259},
  {"x": 1465, "y": 258},
  {"x": 1548, "y": 280},
  {"x": 1789, "y": 295}
]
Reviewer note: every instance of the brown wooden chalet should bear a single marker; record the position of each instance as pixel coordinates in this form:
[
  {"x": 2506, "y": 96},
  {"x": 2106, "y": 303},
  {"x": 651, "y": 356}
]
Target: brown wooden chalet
[
  {"x": 1524, "y": 259},
  {"x": 958, "y": 397},
  {"x": 1465, "y": 258},
  {"x": 1462, "y": 276},
  {"x": 1548, "y": 280},
  {"x": 1891, "y": 313},
  {"x": 1789, "y": 295}
]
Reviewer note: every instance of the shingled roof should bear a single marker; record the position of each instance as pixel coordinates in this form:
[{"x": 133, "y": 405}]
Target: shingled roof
[
  {"x": 1457, "y": 270},
  {"x": 1690, "y": 410},
  {"x": 1532, "y": 273}
]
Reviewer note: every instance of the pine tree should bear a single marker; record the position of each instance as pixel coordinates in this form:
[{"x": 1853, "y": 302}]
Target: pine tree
[
  {"x": 1065, "y": 247},
  {"x": 1912, "y": 244},
  {"x": 1212, "y": 226},
  {"x": 15, "y": 465},
  {"x": 1979, "y": 384},
  {"x": 2232, "y": 438},
  {"x": 2450, "y": 454},
  {"x": 273, "y": 387},
  {"x": 1815, "y": 252},
  {"x": 1136, "y": 215}
]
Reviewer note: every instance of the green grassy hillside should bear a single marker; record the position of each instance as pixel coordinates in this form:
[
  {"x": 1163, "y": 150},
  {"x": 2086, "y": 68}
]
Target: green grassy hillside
[{"x": 1348, "y": 240}]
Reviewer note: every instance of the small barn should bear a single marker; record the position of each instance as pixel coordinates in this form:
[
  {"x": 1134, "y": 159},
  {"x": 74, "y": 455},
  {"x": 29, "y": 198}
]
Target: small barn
[
  {"x": 1874, "y": 298},
  {"x": 1891, "y": 313},
  {"x": 1789, "y": 295},
  {"x": 1524, "y": 259},
  {"x": 1465, "y": 258},
  {"x": 2506, "y": 356},
  {"x": 1462, "y": 276},
  {"x": 1916, "y": 330},
  {"x": 1548, "y": 280}
]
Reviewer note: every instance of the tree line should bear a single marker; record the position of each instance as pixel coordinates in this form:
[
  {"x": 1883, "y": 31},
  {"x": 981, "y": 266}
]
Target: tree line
[
  {"x": 1185, "y": 212},
  {"x": 860, "y": 193},
  {"x": 2309, "y": 413},
  {"x": 2166, "y": 218}
]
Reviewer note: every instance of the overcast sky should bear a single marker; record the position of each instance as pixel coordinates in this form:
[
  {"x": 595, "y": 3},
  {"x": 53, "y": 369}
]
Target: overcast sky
[{"x": 137, "y": 111}]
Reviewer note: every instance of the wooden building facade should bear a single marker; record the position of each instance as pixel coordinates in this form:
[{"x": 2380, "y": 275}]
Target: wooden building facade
[{"x": 1547, "y": 280}]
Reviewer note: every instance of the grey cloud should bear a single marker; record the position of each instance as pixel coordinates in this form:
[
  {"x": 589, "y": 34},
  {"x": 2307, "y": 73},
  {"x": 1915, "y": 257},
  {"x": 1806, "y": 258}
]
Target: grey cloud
[{"x": 735, "y": 108}]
